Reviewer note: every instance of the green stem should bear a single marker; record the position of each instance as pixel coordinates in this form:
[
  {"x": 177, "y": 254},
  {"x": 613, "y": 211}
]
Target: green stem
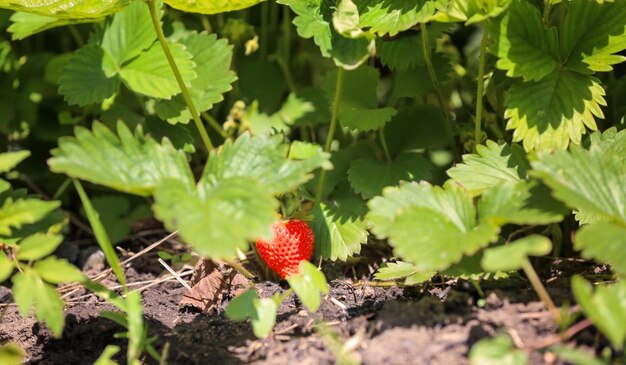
[
  {"x": 383, "y": 142},
  {"x": 286, "y": 35},
  {"x": 206, "y": 24},
  {"x": 433, "y": 78},
  {"x": 531, "y": 274},
  {"x": 547, "y": 7},
  {"x": 265, "y": 30},
  {"x": 181, "y": 83},
  {"x": 284, "y": 67},
  {"x": 214, "y": 124},
  {"x": 479, "y": 92},
  {"x": 285, "y": 295},
  {"x": 76, "y": 35},
  {"x": 61, "y": 189},
  {"x": 331, "y": 131},
  {"x": 242, "y": 270}
]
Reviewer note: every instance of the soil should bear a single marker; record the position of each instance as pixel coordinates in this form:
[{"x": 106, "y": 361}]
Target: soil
[{"x": 433, "y": 324}]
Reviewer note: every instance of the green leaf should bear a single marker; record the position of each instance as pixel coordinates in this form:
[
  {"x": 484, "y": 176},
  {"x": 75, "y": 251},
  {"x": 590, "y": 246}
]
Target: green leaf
[
  {"x": 24, "y": 25},
  {"x": 603, "y": 242},
  {"x": 292, "y": 110},
  {"x": 606, "y": 307},
  {"x": 211, "y": 6},
  {"x": 314, "y": 20},
  {"x": 523, "y": 46},
  {"x": 116, "y": 215},
  {"x": 547, "y": 114},
  {"x": 150, "y": 73},
  {"x": 16, "y": 213},
  {"x": 308, "y": 284},
  {"x": 415, "y": 81},
  {"x": 212, "y": 58},
  {"x": 588, "y": 181},
  {"x": 136, "y": 331},
  {"x": 242, "y": 306},
  {"x": 11, "y": 354},
  {"x": 299, "y": 150},
  {"x": 395, "y": 270},
  {"x": 429, "y": 226},
  {"x": 341, "y": 162},
  {"x": 575, "y": 356},
  {"x": 67, "y": 8},
  {"x": 489, "y": 166},
  {"x": 37, "y": 246},
  {"x": 406, "y": 51},
  {"x": 262, "y": 312},
  {"x": 264, "y": 159},
  {"x": 519, "y": 203},
  {"x": 9, "y": 160},
  {"x": 415, "y": 128},
  {"x": 132, "y": 163},
  {"x": 393, "y": 16},
  {"x": 470, "y": 11},
  {"x": 497, "y": 351},
  {"x": 594, "y": 35},
  {"x": 218, "y": 217},
  {"x": 57, "y": 271},
  {"x": 358, "y": 108},
  {"x": 28, "y": 288},
  {"x": 6, "y": 267},
  {"x": 101, "y": 235},
  {"x": 369, "y": 177},
  {"x": 83, "y": 80},
  {"x": 514, "y": 255},
  {"x": 129, "y": 33},
  {"x": 339, "y": 226},
  {"x": 106, "y": 357}
]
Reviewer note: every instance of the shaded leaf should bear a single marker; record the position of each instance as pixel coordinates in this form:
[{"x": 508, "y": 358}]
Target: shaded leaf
[
  {"x": 524, "y": 47},
  {"x": 368, "y": 177},
  {"x": 339, "y": 226},
  {"x": 262, "y": 312},
  {"x": 358, "y": 108},
  {"x": 83, "y": 80},
  {"x": 395, "y": 270}
]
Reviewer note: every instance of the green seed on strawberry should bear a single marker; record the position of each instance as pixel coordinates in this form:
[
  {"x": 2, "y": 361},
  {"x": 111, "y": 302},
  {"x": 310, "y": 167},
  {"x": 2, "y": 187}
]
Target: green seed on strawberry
[{"x": 293, "y": 241}]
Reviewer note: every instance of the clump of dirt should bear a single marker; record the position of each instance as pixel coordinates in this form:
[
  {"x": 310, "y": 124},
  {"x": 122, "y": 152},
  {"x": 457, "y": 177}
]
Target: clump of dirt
[{"x": 390, "y": 325}]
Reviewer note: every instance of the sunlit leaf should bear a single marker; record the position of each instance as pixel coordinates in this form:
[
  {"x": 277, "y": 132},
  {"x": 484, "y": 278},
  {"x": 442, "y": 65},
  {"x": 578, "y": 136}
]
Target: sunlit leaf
[
  {"x": 16, "y": 213},
  {"x": 57, "y": 271},
  {"x": 498, "y": 350},
  {"x": 309, "y": 284},
  {"x": 29, "y": 289},
  {"x": 393, "y": 16},
  {"x": 37, "y": 246},
  {"x": 133, "y": 163},
  {"x": 9, "y": 160},
  {"x": 603, "y": 242},
  {"x": 605, "y": 306},
  {"x": 11, "y": 354},
  {"x": 67, "y": 8},
  {"x": 261, "y": 311},
  {"x": 210, "y": 6}
]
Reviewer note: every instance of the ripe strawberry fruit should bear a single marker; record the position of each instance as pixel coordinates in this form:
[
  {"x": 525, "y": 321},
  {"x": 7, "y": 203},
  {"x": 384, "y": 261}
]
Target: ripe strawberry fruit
[{"x": 293, "y": 241}]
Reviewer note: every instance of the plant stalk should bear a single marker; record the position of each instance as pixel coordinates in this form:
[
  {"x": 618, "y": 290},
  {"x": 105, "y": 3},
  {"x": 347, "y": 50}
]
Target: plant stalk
[
  {"x": 181, "y": 83},
  {"x": 433, "y": 78},
  {"x": 383, "y": 142},
  {"x": 531, "y": 274},
  {"x": 331, "y": 131},
  {"x": 242, "y": 270},
  {"x": 480, "y": 89}
]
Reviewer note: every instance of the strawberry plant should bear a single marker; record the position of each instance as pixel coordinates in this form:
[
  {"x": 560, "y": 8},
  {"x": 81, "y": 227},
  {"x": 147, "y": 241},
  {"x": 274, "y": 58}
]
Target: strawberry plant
[{"x": 395, "y": 143}]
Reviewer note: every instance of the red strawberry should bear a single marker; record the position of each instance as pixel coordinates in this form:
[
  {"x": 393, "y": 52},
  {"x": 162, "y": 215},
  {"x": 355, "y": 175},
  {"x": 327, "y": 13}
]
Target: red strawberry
[{"x": 293, "y": 242}]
